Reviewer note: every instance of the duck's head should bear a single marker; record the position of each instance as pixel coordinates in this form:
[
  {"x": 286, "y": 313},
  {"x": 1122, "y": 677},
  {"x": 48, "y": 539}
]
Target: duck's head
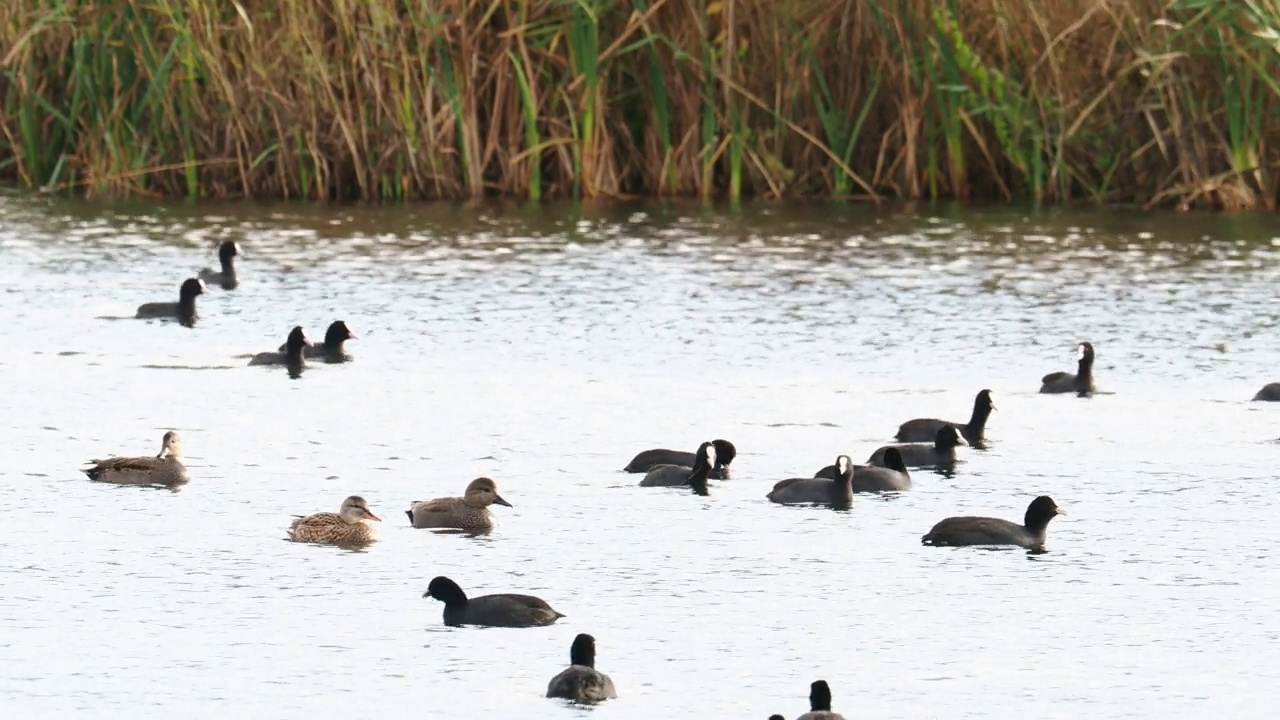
[
  {"x": 171, "y": 445},
  {"x": 483, "y": 492},
  {"x": 354, "y": 509}
]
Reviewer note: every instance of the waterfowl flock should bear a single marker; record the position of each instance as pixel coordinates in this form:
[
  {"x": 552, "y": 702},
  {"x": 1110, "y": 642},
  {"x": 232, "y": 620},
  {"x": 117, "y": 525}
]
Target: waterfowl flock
[
  {"x": 922, "y": 443},
  {"x": 297, "y": 348}
]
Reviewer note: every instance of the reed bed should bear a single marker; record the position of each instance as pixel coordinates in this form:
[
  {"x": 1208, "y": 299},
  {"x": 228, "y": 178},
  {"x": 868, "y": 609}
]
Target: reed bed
[{"x": 1172, "y": 103}]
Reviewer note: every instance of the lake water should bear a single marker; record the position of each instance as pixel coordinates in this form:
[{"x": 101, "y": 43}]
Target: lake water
[{"x": 543, "y": 348}]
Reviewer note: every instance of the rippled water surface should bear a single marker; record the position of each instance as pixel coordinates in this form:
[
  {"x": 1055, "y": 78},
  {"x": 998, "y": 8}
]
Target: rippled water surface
[{"x": 543, "y": 348}]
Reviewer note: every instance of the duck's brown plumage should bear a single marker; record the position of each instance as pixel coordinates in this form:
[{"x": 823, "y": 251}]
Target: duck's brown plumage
[
  {"x": 469, "y": 512},
  {"x": 163, "y": 469},
  {"x": 345, "y": 527}
]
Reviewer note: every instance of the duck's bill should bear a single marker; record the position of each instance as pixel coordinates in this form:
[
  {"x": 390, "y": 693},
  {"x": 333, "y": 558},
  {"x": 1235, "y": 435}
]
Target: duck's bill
[
  {"x": 372, "y": 516},
  {"x": 498, "y": 499}
]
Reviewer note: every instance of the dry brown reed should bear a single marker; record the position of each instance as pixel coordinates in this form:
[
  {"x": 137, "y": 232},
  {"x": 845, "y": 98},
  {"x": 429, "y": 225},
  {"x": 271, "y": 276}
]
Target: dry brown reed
[{"x": 1137, "y": 101}]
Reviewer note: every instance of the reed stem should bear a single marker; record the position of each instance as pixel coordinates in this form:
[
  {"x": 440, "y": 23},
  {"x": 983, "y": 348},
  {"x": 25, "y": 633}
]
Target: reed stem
[{"x": 1154, "y": 102}]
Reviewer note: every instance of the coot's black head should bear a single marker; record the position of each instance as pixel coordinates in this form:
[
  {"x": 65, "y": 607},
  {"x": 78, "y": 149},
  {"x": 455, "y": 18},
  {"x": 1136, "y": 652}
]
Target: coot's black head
[
  {"x": 227, "y": 250},
  {"x": 337, "y": 333},
  {"x": 984, "y": 401},
  {"x": 820, "y": 696},
  {"x": 191, "y": 287},
  {"x": 844, "y": 467},
  {"x": 583, "y": 651},
  {"x": 703, "y": 461},
  {"x": 446, "y": 591},
  {"x": 296, "y": 342},
  {"x": 893, "y": 460},
  {"x": 1041, "y": 511},
  {"x": 948, "y": 437},
  {"x": 725, "y": 452},
  {"x": 1085, "y": 352},
  {"x": 705, "y": 457}
]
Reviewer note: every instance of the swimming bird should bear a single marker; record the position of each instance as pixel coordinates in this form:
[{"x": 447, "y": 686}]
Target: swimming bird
[
  {"x": 820, "y": 703},
  {"x": 926, "y": 429},
  {"x": 332, "y": 349},
  {"x": 960, "y": 531},
  {"x": 226, "y": 278},
  {"x": 1081, "y": 383},
  {"x": 940, "y": 452},
  {"x": 1269, "y": 392},
  {"x": 502, "y": 610},
  {"x": 184, "y": 310},
  {"x": 166, "y": 468},
  {"x": 581, "y": 681},
  {"x": 837, "y": 492},
  {"x": 348, "y": 526},
  {"x": 891, "y": 476},
  {"x": 292, "y": 353},
  {"x": 649, "y": 459},
  {"x": 469, "y": 512},
  {"x": 876, "y": 478},
  {"x": 676, "y": 475}
]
